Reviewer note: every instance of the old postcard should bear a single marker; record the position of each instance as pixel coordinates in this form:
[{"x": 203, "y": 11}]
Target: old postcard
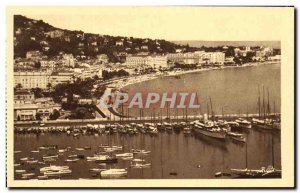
[{"x": 150, "y": 97}]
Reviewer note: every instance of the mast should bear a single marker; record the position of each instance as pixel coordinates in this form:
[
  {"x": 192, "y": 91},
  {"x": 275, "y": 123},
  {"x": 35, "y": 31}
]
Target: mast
[
  {"x": 268, "y": 105},
  {"x": 207, "y": 110},
  {"x": 274, "y": 108},
  {"x": 259, "y": 113},
  {"x": 212, "y": 112},
  {"x": 246, "y": 156},
  {"x": 272, "y": 152},
  {"x": 264, "y": 107}
]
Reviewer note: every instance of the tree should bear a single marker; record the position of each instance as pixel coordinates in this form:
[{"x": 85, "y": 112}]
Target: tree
[
  {"x": 18, "y": 86},
  {"x": 37, "y": 65},
  {"x": 55, "y": 114},
  {"x": 49, "y": 86},
  {"x": 38, "y": 92},
  {"x": 38, "y": 116}
]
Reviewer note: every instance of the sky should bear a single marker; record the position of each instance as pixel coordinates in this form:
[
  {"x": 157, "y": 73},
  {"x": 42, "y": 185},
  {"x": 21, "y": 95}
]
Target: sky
[{"x": 170, "y": 23}]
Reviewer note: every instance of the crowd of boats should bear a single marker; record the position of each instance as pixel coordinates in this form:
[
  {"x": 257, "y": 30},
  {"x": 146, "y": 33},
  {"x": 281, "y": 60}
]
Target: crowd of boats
[
  {"x": 105, "y": 156},
  {"x": 218, "y": 129}
]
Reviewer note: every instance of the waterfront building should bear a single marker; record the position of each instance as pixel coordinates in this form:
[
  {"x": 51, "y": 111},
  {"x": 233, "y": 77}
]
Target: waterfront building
[
  {"x": 147, "y": 61},
  {"x": 217, "y": 58}
]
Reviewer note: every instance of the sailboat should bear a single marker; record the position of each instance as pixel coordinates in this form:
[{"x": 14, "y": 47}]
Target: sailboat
[
  {"x": 265, "y": 122},
  {"x": 263, "y": 172}
]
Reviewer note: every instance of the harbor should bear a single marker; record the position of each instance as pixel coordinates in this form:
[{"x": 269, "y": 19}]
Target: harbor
[
  {"x": 216, "y": 141},
  {"x": 144, "y": 155}
]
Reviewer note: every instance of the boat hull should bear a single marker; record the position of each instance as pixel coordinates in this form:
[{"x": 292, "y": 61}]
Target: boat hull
[{"x": 213, "y": 134}]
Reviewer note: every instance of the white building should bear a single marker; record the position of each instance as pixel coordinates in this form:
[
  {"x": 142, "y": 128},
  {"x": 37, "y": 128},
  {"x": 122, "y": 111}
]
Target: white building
[
  {"x": 147, "y": 61},
  {"x": 30, "y": 80}
]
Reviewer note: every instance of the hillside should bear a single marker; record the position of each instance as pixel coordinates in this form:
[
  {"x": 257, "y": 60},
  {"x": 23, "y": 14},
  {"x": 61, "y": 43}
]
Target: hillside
[{"x": 32, "y": 34}]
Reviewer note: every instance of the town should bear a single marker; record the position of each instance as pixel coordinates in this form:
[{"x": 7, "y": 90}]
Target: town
[{"x": 62, "y": 74}]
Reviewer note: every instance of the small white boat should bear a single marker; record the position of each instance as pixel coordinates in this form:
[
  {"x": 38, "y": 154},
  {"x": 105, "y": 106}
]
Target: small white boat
[
  {"x": 113, "y": 173},
  {"x": 35, "y": 151},
  {"x": 58, "y": 173},
  {"x": 62, "y": 150},
  {"x": 138, "y": 160},
  {"x": 50, "y": 156},
  {"x": 32, "y": 161},
  {"x": 16, "y": 165},
  {"x": 80, "y": 149},
  {"x": 124, "y": 155},
  {"x": 237, "y": 136},
  {"x": 140, "y": 165},
  {"x": 28, "y": 175},
  {"x": 24, "y": 159},
  {"x": 96, "y": 170},
  {"x": 72, "y": 160},
  {"x": 140, "y": 151},
  {"x": 20, "y": 171},
  {"x": 17, "y": 151},
  {"x": 53, "y": 168},
  {"x": 72, "y": 156}
]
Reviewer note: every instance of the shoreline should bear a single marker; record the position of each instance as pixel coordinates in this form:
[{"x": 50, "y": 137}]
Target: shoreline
[{"x": 120, "y": 84}]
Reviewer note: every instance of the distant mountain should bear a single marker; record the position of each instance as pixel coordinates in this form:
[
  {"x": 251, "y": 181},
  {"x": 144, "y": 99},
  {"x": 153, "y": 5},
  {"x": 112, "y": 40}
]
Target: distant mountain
[{"x": 200, "y": 43}]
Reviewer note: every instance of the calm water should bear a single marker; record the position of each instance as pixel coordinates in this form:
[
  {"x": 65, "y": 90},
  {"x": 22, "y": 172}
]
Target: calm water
[
  {"x": 187, "y": 156},
  {"x": 234, "y": 89}
]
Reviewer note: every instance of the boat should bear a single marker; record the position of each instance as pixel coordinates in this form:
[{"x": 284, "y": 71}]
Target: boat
[
  {"x": 153, "y": 130},
  {"x": 124, "y": 155},
  {"x": 269, "y": 172},
  {"x": 209, "y": 130},
  {"x": 20, "y": 171},
  {"x": 243, "y": 123},
  {"x": 79, "y": 149},
  {"x": 186, "y": 130},
  {"x": 53, "y": 168},
  {"x": 140, "y": 165},
  {"x": 16, "y": 165},
  {"x": 72, "y": 160},
  {"x": 17, "y": 151},
  {"x": 32, "y": 161},
  {"x": 113, "y": 173},
  {"x": 35, "y": 151},
  {"x": 140, "y": 151},
  {"x": 28, "y": 175},
  {"x": 72, "y": 156},
  {"x": 102, "y": 159},
  {"x": 24, "y": 159},
  {"x": 237, "y": 136},
  {"x": 50, "y": 156},
  {"x": 262, "y": 124},
  {"x": 62, "y": 150},
  {"x": 96, "y": 170},
  {"x": 58, "y": 173}
]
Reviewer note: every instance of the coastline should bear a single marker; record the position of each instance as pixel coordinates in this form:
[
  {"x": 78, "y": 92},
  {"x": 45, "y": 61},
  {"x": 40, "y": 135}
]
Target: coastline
[{"x": 122, "y": 84}]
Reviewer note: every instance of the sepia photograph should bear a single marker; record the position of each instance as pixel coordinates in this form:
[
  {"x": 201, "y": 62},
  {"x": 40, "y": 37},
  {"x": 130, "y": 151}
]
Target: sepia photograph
[{"x": 110, "y": 96}]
